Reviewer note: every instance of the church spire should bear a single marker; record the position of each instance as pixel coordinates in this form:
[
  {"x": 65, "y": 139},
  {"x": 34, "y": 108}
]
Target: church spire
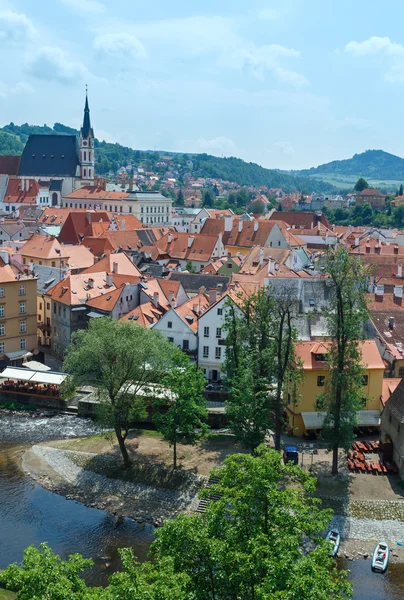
[{"x": 86, "y": 129}]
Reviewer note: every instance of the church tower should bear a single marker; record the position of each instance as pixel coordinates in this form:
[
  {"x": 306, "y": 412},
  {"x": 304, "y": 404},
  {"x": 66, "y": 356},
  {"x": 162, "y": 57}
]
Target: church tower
[{"x": 87, "y": 148}]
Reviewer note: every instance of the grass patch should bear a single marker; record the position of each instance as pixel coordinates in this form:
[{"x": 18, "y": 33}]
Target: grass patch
[{"x": 7, "y": 595}]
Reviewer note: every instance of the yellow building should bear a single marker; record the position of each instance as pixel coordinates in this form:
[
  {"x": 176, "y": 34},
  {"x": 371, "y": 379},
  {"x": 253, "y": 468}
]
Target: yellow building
[
  {"x": 18, "y": 316},
  {"x": 44, "y": 250},
  {"x": 304, "y": 416}
]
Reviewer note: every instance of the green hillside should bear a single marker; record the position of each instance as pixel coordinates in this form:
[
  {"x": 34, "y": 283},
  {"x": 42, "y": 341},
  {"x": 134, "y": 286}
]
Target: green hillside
[
  {"x": 109, "y": 157},
  {"x": 372, "y": 164}
]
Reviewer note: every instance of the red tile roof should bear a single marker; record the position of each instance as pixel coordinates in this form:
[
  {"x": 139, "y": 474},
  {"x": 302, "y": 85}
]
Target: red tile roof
[
  {"x": 306, "y": 220},
  {"x": 79, "y": 289},
  {"x": 98, "y": 193},
  {"x": 9, "y": 165},
  {"x": 186, "y": 246},
  {"x": 306, "y": 351},
  {"x": 16, "y": 193},
  {"x": 75, "y": 227},
  {"x": 42, "y": 246},
  {"x": 124, "y": 266}
]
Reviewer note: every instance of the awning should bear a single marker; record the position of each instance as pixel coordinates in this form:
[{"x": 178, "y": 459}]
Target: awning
[
  {"x": 34, "y": 365},
  {"x": 18, "y": 354},
  {"x": 95, "y": 315},
  {"x": 54, "y": 378},
  {"x": 367, "y": 418},
  {"x": 76, "y": 308},
  {"x": 18, "y": 373},
  {"x": 12, "y": 373}
]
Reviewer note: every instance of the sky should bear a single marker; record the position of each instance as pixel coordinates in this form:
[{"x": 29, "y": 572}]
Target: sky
[{"x": 288, "y": 84}]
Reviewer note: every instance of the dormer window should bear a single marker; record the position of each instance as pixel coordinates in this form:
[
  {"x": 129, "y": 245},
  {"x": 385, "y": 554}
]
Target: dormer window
[{"x": 321, "y": 357}]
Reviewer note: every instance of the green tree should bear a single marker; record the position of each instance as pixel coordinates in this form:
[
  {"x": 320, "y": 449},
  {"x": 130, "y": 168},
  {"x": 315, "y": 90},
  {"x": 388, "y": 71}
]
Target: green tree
[
  {"x": 260, "y": 364},
  {"x": 120, "y": 360},
  {"x": 185, "y": 408},
  {"x": 190, "y": 267},
  {"x": 397, "y": 216},
  {"x": 208, "y": 199},
  {"x": 400, "y": 191},
  {"x": 43, "y": 574},
  {"x": 257, "y": 208},
  {"x": 249, "y": 543},
  {"x": 346, "y": 317},
  {"x": 361, "y": 185},
  {"x": 180, "y": 198}
]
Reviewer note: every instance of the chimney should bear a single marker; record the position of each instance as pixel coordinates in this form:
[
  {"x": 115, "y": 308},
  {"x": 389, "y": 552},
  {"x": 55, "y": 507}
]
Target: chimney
[
  {"x": 399, "y": 270},
  {"x": 156, "y": 299},
  {"x": 171, "y": 302},
  {"x": 379, "y": 293},
  {"x": 108, "y": 280},
  {"x": 170, "y": 238},
  {"x": 271, "y": 266},
  {"x": 240, "y": 226},
  {"x": 261, "y": 256},
  {"x": 356, "y": 241},
  {"x": 115, "y": 268},
  {"x": 255, "y": 225},
  {"x": 88, "y": 217},
  {"x": 392, "y": 323},
  {"x": 123, "y": 225},
  {"x": 190, "y": 240},
  {"x": 90, "y": 282},
  {"x": 130, "y": 185},
  {"x": 202, "y": 290},
  {"x": 26, "y": 185},
  {"x": 228, "y": 223},
  {"x": 212, "y": 296},
  {"x": 318, "y": 226}
]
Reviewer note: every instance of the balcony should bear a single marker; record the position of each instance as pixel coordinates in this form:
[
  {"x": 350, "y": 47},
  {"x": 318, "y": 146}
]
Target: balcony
[{"x": 191, "y": 353}]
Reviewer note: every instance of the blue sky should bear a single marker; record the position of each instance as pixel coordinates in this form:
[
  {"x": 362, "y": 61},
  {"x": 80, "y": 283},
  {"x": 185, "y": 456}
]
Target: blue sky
[{"x": 287, "y": 84}]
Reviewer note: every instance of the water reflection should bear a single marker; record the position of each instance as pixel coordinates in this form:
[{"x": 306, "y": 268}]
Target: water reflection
[
  {"x": 31, "y": 515},
  {"x": 374, "y": 586}
]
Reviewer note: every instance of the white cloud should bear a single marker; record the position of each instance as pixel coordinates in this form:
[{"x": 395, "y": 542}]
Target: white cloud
[
  {"x": 119, "y": 44},
  {"x": 15, "y": 27},
  {"x": 21, "y": 87},
  {"x": 217, "y": 145},
  {"x": 53, "y": 64},
  {"x": 391, "y": 52},
  {"x": 89, "y": 7}
]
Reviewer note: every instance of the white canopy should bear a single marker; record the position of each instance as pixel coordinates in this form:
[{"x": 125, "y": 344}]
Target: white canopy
[
  {"x": 54, "y": 378},
  {"x": 18, "y": 373},
  {"x": 34, "y": 365},
  {"x": 367, "y": 418}
]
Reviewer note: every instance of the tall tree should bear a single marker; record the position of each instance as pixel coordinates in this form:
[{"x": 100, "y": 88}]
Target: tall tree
[
  {"x": 346, "y": 317},
  {"x": 260, "y": 364},
  {"x": 400, "y": 190},
  {"x": 184, "y": 409},
  {"x": 180, "y": 198},
  {"x": 361, "y": 185},
  {"x": 120, "y": 360},
  {"x": 249, "y": 543},
  {"x": 208, "y": 199}
]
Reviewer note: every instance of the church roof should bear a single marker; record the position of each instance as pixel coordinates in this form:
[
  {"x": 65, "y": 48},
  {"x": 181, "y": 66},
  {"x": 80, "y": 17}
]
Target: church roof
[
  {"x": 50, "y": 155},
  {"x": 86, "y": 129}
]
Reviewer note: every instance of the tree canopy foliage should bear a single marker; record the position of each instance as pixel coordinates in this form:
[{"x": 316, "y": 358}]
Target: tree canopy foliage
[{"x": 361, "y": 185}]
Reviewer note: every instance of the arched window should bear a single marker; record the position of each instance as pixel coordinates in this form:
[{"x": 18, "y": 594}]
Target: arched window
[
  {"x": 85, "y": 172},
  {"x": 54, "y": 199},
  {"x": 89, "y": 173},
  {"x": 85, "y": 155}
]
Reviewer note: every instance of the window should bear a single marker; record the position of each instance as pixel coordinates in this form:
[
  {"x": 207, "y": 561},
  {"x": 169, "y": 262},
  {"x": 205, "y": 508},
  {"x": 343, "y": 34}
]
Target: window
[
  {"x": 22, "y": 308},
  {"x": 130, "y": 209},
  {"x": 22, "y": 290},
  {"x": 220, "y": 311},
  {"x": 59, "y": 310},
  {"x": 365, "y": 379},
  {"x": 320, "y": 357},
  {"x": 171, "y": 340},
  {"x": 141, "y": 209},
  {"x": 2, "y": 348},
  {"x": 170, "y": 324},
  {"x": 23, "y": 326},
  {"x": 48, "y": 305},
  {"x": 279, "y": 243},
  {"x": 206, "y": 332},
  {"x": 2, "y": 310},
  {"x": 205, "y": 351},
  {"x": 320, "y": 380},
  {"x": 2, "y": 292},
  {"x": 40, "y": 306},
  {"x": 2, "y": 329},
  {"x": 218, "y": 332},
  {"x": 53, "y": 263},
  {"x": 185, "y": 344},
  {"x": 120, "y": 208},
  {"x": 64, "y": 311},
  {"x": 218, "y": 352},
  {"x": 23, "y": 344}
]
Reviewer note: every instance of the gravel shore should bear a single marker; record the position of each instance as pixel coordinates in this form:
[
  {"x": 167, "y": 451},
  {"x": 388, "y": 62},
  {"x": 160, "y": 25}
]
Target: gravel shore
[{"x": 55, "y": 470}]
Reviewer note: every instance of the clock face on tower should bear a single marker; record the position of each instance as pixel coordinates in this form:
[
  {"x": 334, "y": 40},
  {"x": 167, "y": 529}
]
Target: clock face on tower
[{"x": 84, "y": 143}]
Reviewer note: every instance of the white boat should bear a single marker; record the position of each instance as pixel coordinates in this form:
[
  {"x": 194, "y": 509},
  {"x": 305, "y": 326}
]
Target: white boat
[
  {"x": 334, "y": 537},
  {"x": 380, "y": 558}
]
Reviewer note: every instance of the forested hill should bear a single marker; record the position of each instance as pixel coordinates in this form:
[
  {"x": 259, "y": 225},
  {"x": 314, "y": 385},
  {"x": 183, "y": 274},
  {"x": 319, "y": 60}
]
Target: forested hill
[
  {"x": 372, "y": 164},
  {"x": 109, "y": 157}
]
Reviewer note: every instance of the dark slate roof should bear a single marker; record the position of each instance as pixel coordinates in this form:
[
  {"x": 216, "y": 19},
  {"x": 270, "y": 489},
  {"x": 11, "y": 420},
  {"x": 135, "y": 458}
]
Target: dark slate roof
[
  {"x": 9, "y": 165},
  {"x": 55, "y": 185},
  {"x": 86, "y": 129},
  {"x": 50, "y": 155},
  {"x": 47, "y": 277},
  {"x": 152, "y": 269},
  {"x": 395, "y": 404},
  {"x": 191, "y": 282}
]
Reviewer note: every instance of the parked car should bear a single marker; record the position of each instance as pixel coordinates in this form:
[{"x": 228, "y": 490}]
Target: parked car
[{"x": 290, "y": 454}]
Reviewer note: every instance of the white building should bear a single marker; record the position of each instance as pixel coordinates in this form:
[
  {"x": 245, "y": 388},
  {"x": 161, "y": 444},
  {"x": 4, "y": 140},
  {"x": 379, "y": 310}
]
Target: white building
[{"x": 212, "y": 339}]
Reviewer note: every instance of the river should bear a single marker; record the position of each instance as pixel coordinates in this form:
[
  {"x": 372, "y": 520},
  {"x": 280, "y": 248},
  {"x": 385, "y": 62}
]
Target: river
[{"x": 31, "y": 515}]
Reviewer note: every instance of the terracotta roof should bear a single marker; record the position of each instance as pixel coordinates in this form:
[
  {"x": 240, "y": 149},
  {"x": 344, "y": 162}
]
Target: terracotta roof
[
  {"x": 371, "y": 192},
  {"x": 306, "y": 351},
  {"x": 16, "y": 192},
  {"x": 134, "y": 240},
  {"x": 106, "y": 301},
  {"x": 96, "y": 229},
  {"x": 252, "y": 264},
  {"x": 9, "y": 165},
  {"x": 299, "y": 219},
  {"x": 253, "y": 233},
  {"x": 124, "y": 266},
  {"x": 190, "y": 311},
  {"x": 98, "y": 246},
  {"x": 75, "y": 289},
  {"x": 176, "y": 246},
  {"x": 145, "y": 314},
  {"x": 389, "y": 385},
  {"x": 80, "y": 257},
  {"x": 57, "y": 216},
  {"x": 75, "y": 227},
  {"x": 8, "y": 274},
  {"x": 127, "y": 222},
  {"x": 41, "y": 246},
  {"x": 98, "y": 193}
]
